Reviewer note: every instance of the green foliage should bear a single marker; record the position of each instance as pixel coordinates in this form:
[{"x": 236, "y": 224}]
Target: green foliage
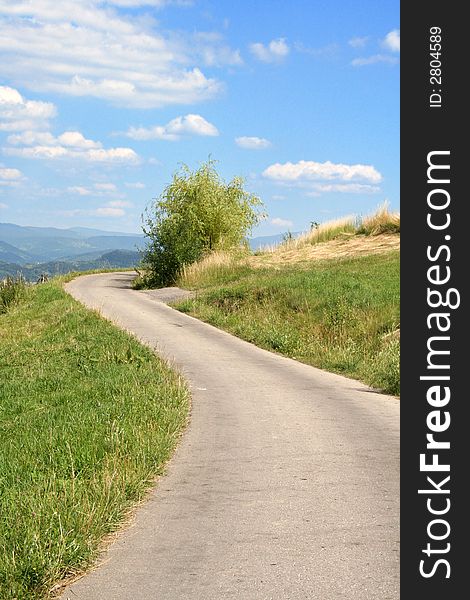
[{"x": 197, "y": 213}]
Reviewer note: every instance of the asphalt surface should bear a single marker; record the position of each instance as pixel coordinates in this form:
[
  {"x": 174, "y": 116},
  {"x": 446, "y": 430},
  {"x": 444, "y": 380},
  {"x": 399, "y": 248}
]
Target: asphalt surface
[{"x": 285, "y": 485}]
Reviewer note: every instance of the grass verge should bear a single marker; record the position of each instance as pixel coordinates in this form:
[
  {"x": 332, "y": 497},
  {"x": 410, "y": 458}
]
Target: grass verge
[
  {"x": 88, "y": 417},
  {"x": 341, "y": 315}
]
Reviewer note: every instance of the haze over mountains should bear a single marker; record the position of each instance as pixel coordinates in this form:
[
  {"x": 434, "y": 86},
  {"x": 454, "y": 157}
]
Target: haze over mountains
[{"x": 37, "y": 250}]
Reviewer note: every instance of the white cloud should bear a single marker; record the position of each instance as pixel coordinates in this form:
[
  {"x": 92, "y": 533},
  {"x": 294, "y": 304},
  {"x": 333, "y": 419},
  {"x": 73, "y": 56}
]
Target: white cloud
[
  {"x": 108, "y": 211},
  {"x": 92, "y": 49},
  {"x": 18, "y": 114},
  {"x": 136, "y": 3},
  {"x": 374, "y": 59},
  {"x": 281, "y": 222},
  {"x": 358, "y": 42},
  {"x": 187, "y": 125},
  {"x": 392, "y": 41},
  {"x": 2, "y": 205},
  {"x": 70, "y": 144},
  {"x": 10, "y": 174},
  {"x": 304, "y": 172},
  {"x": 10, "y": 177},
  {"x": 74, "y": 139},
  {"x": 102, "y": 211},
  {"x": 275, "y": 51},
  {"x": 80, "y": 190},
  {"x": 252, "y": 143},
  {"x": 137, "y": 185},
  {"x": 347, "y": 188},
  {"x": 105, "y": 187},
  {"x": 99, "y": 189}
]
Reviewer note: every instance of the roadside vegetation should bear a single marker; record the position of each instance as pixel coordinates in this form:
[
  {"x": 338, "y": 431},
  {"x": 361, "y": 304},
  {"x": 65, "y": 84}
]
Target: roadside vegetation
[
  {"x": 329, "y": 298},
  {"x": 197, "y": 213},
  {"x": 12, "y": 290},
  {"x": 88, "y": 417}
]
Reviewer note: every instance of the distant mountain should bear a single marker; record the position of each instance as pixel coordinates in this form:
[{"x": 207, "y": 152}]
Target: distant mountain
[
  {"x": 120, "y": 259},
  {"x": 45, "y": 244},
  {"x": 9, "y": 253}
]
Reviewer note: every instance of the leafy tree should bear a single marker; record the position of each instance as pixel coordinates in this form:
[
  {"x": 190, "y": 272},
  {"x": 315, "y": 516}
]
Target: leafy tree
[{"x": 196, "y": 213}]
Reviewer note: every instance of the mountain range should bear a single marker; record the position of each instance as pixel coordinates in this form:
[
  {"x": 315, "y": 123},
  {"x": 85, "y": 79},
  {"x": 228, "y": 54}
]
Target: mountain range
[{"x": 33, "y": 251}]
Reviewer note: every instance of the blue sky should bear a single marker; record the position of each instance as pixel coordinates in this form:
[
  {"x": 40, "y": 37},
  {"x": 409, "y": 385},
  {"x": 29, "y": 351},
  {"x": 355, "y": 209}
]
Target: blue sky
[{"x": 101, "y": 100}]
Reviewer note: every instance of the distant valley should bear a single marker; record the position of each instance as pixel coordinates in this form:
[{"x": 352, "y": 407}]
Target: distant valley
[{"x": 34, "y": 251}]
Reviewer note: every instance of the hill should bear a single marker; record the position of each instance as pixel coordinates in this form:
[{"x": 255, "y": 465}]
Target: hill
[
  {"x": 114, "y": 259},
  {"x": 45, "y": 244},
  {"x": 329, "y": 298}
]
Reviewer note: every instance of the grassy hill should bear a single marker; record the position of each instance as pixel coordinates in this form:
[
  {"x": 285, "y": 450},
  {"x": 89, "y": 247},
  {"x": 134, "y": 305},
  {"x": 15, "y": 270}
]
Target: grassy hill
[{"x": 329, "y": 298}]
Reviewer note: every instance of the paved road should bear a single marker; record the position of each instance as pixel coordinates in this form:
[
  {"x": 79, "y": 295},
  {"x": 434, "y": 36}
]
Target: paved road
[{"x": 284, "y": 487}]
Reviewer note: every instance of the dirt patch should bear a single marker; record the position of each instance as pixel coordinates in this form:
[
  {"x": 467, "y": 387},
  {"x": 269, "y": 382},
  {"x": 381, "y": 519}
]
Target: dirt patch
[{"x": 343, "y": 247}]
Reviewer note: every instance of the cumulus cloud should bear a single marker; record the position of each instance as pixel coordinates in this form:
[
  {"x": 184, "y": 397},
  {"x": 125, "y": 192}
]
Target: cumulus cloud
[
  {"x": 392, "y": 41},
  {"x": 10, "y": 177},
  {"x": 281, "y": 222},
  {"x": 70, "y": 144},
  {"x": 275, "y": 51},
  {"x": 18, "y": 113},
  {"x": 305, "y": 172},
  {"x": 187, "y": 125},
  {"x": 252, "y": 143},
  {"x": 10, "y": 174},
  {"x": 94, "y": 49}
]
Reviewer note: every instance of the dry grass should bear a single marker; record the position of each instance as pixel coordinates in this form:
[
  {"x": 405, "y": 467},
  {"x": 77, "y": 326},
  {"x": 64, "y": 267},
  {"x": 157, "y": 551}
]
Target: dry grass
[
  {"x": 382, "y": 221},
  {"x": 217, "y": 267},
  {"x": 342, "y": 238},
  {"x": 344, "y": 246}
]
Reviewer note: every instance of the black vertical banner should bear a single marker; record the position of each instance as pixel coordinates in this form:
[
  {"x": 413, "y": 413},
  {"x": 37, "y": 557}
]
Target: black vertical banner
[{"x": 435, "y": 253}]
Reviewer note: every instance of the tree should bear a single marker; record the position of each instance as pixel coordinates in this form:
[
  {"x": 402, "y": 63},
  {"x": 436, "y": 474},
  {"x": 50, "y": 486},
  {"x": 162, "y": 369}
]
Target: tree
[{"x": 197, "y": 213}]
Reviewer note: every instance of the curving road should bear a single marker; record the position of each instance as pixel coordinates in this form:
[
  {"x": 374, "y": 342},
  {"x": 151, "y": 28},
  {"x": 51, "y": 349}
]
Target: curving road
[{"x": 285, "y": 485}]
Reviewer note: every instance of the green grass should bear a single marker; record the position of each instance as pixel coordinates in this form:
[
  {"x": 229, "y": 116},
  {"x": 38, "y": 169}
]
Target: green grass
[
  {"x": 339, "y": 315},
  {"x": 88, "y": 417}
]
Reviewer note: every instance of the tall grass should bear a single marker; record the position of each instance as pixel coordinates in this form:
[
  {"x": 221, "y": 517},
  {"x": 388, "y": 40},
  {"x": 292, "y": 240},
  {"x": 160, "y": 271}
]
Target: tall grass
[
  {"x": 381, "y": 221},
  {"x": 215, "y": 268},
  {"x": 88, "y": 418},
  {"x": 12, "y": 290}
]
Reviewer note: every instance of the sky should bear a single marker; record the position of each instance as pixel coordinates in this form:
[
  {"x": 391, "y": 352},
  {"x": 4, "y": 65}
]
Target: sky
[{"x": 101, "y": 101}]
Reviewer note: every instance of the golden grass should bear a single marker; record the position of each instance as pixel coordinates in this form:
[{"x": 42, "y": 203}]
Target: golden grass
[
  {"x": 382, "y": 221},
  {"x": 340, "y": 238}
]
